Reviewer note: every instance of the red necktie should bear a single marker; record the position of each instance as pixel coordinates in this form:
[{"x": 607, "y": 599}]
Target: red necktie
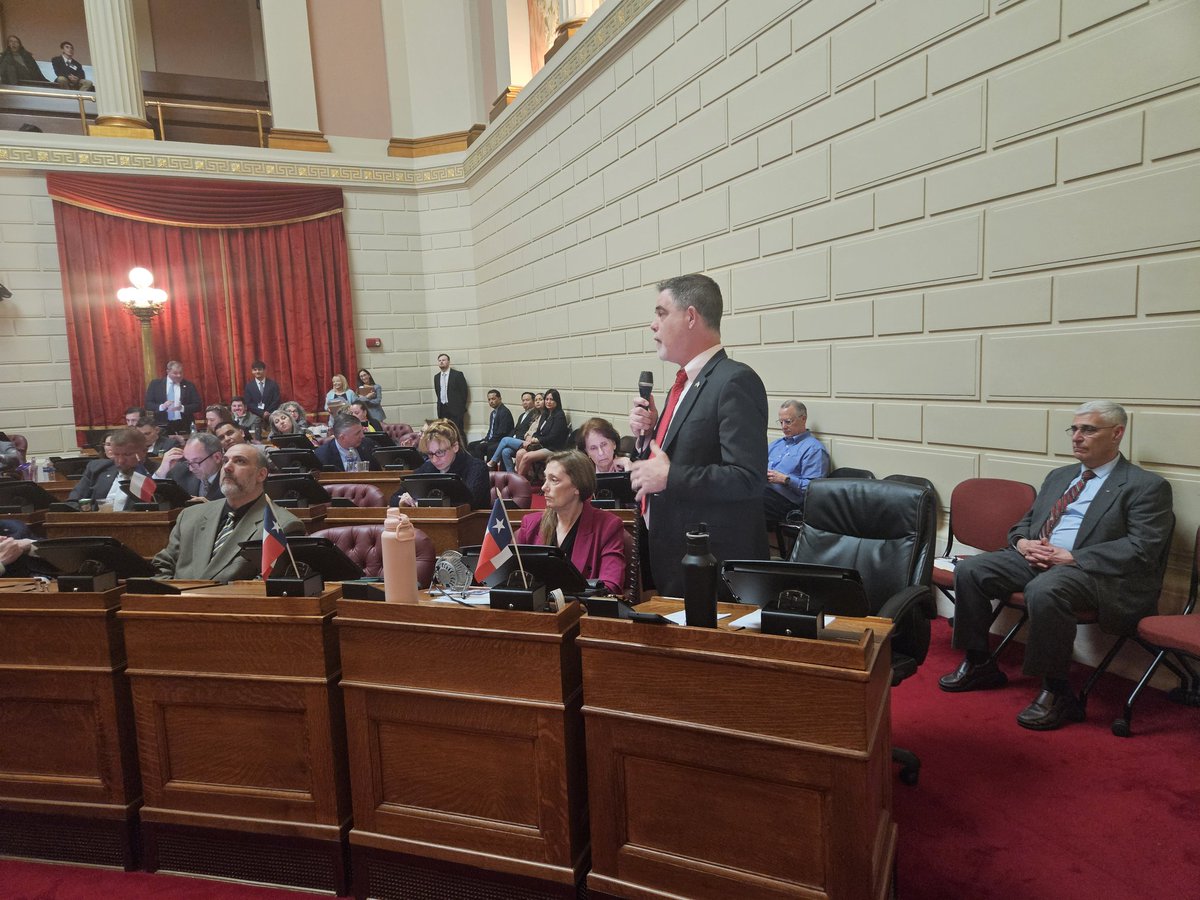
[
  {"x": 664, "y": 421},
  {"x": 1060, "y": 507}
]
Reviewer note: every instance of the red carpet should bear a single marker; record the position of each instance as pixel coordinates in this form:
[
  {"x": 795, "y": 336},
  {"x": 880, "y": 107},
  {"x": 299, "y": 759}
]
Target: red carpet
[
  {"x": 1076, "y": 813},
  {"x": 1000, "y": 812}
]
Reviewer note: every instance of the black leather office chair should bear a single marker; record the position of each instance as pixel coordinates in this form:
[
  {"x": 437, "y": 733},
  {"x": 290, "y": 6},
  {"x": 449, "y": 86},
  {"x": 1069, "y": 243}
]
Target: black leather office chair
[{"x": 885, "y": 530}]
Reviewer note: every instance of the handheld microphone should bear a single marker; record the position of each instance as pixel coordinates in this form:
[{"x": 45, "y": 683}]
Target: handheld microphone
[{"x": 646, "y": 391}]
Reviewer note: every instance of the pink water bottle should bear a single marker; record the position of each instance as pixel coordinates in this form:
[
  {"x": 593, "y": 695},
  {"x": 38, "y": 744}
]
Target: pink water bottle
[{"x": 398, "y": 545}]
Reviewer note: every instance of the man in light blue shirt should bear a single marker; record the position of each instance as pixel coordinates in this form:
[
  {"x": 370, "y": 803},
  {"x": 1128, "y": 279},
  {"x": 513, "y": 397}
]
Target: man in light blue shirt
[
  {"x": 792, "y": 462},
  {"x": 1093, "y": 544}
]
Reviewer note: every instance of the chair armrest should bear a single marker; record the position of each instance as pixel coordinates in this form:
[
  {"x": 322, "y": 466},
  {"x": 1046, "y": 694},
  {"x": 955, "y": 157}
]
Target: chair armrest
[{"x": 899, "y": 605}]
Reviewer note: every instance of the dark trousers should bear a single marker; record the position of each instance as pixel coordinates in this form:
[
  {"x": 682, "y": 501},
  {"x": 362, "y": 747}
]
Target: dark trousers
[
  {"x": 776, "y": 506},
  {"x": 1053, "y": 597},
  {"x": 482, "y": 449},
  {"x": 444, "y": 412}
]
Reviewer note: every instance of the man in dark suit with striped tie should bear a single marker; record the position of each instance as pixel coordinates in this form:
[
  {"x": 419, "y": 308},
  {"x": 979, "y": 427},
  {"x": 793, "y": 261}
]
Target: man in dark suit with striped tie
[{"x": 1091, "y": 543}]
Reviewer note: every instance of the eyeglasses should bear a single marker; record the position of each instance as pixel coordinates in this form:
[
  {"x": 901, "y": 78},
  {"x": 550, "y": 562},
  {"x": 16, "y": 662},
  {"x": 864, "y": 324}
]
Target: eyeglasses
[
  {"x": 1087, "y": 430},
  {"x": 786, "y": 421},
  {"x": 195, "y": 464},
  {"x": 438, "y": 454}
]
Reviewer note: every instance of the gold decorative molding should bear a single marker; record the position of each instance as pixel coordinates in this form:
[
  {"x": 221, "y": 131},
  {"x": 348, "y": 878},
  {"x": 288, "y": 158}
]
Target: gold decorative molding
[
  {"x": 503, "y": 101},
  {"x": 454, "y": 142},
  {"x": 533, "y": 99},
  {"x": 562, "y": 34},
  {"x": 286, "y": 139},
  {"x": 117, "y": 161},
  {"x": 121, "y": 127}
]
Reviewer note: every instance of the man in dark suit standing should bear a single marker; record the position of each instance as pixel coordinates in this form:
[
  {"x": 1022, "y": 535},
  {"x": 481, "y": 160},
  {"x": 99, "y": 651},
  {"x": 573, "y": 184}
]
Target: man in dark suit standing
[
  {"x": 450, "y": 388},
  {"x": 349, "y": 446},
  {"x": 1093, "y": 541},
  {"x": 708, "y": 459},
  {"x": 174, "y": 400},
  {"x": 261, "y": 393},
  {"x": 500, "y": 424},
  {"x": 101, "y": 481}
]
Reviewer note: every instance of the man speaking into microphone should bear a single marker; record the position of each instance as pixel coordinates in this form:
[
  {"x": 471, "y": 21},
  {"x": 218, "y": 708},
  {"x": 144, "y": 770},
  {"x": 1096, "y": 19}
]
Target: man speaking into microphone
[{"x": 708, "y": 447}]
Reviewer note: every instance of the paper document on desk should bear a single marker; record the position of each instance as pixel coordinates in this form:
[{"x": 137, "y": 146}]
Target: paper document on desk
[
  {"x": 478, "y": 597},
  {"x": 680, "y": 617},
  {"x": 753, "y": 621}
]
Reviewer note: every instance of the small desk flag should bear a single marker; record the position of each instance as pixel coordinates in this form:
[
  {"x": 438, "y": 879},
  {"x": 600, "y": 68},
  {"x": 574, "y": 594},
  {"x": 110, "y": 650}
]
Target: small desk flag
[
  {"x": 497, "y": 542},
  {"x": 274, "y": 541}
]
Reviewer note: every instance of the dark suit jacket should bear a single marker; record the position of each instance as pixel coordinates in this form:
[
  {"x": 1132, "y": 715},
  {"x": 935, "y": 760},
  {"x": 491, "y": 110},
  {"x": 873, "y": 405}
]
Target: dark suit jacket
[
  {"x": 97, "y": 481},
  {"x": 182, "y": 476},
  {"x": 190, "y": 545},
  {"x": 473, "y": 473},
  {"x": 156, "y": 396},
  {"x": 717, "y": 444},
  {"x": 500, "y": 424},
  {"x": 1120, "y": 542},
  {"x": 261, "y": 403},
  {"x": 329, "y": 456},
  {"x": 519, "y": 429},
  {"x": 456, "y": 392},
  {"x": 599, "y": 550},
  {"x": 64, "y": 67},
  {"x": 553, "y": 433}
]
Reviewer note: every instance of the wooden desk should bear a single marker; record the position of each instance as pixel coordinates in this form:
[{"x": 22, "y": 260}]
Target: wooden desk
[
  {"x": 736, "y": 764},
  {"x": 449, "y": 527},
  {"x": 240, "y": 734},
  {"x": 59, "y": 488},
  {"x": 465, "y": 741},
  {"x": 143, "y": 532},
  {"x": 69, "y": 787}
]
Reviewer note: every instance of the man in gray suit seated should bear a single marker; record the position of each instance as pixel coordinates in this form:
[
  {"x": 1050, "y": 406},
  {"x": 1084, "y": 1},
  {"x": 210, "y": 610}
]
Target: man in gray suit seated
[
  {"x": 1091, "y": 542},
  {"x": 204, "y": 542}
]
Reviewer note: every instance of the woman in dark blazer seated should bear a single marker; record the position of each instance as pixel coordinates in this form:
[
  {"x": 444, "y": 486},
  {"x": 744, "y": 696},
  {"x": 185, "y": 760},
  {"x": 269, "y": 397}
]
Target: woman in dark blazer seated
[
  {"x": 551, "y": 436},
  {"x": 593, "y": 539},
  {"x": 443, "y": 445}
]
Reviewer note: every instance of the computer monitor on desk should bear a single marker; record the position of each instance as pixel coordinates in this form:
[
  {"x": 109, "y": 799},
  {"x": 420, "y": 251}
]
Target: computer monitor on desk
[
  {"x": 295, "y": 491},
  {"x": 23, "y": 497},
  {"x": 613, "y": 491},
  {"x": 319, "y": 554},
  {"x": 398, "y": 458},
  {"x": 545, "y": 563},
  {"x": 290, "y": 441},
  {"x": 436, "y": 489},
  {"x": 302, "y": 460},
  {"x": 760, "y": 581},
  {"x": 98, "y": 560}
]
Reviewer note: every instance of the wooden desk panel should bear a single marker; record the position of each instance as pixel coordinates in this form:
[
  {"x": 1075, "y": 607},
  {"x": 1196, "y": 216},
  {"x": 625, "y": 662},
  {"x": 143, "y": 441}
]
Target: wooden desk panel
[
  {"x": 143, "y": 532},
  {"x": 66, "y": 717},
  {"x": 240, "y": 730},
  {"x": 36, "y": 520},
  {"x": 465, "y": 738},
  {"x": 783, "y": 743},
  {"x": 388, "y": 481},
  {"x": 448, "y": 527}
]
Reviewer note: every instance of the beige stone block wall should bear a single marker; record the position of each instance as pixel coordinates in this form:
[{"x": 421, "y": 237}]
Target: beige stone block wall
[{"x": 940, "y": 224}]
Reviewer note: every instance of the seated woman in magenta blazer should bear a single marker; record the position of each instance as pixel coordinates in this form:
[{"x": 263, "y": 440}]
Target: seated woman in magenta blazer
[{"x": 593, "y": 539}]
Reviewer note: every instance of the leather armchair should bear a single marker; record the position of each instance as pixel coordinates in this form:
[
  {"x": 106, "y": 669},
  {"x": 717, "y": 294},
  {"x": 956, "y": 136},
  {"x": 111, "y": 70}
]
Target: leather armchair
[
  {"x": 511, "y": 486},
  {"x": 358, "y": 494},
  {"x": 361, "y": 544},
  {"x": 886, "y": 531},
  {"x": 402, "y": 434}
]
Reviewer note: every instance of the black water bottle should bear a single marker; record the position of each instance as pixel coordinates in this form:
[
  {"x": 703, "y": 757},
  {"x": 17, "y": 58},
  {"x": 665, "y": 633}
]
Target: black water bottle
[{"x": 699, "y": 580}]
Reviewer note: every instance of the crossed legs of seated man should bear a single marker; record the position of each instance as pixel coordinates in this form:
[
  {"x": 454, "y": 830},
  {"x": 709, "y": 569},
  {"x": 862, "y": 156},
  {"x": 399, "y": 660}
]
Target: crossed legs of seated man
[{"x": 1054, "y": 597}]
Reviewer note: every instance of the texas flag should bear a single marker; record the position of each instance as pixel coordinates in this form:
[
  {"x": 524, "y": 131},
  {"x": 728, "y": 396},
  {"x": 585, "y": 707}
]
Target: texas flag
[
  {"x": 497, "y": 542},
  {"x": 142, "y": 486},
  {"x": 274, "y": 541}
]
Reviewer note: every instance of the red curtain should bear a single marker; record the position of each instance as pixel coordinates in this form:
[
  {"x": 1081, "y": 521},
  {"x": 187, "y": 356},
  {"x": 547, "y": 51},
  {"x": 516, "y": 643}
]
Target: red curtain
[{"x": 271, "y": 281}]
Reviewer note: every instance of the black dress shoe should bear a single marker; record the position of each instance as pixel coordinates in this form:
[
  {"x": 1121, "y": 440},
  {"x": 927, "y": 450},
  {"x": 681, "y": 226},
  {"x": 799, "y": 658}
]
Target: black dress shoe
[
  {"x": 1049, "y": 711},
  {"x": 973, "y": 677}
]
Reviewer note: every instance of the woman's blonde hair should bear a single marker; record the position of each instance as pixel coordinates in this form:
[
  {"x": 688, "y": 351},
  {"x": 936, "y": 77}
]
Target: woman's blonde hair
[{"x": 442, "y": 429}]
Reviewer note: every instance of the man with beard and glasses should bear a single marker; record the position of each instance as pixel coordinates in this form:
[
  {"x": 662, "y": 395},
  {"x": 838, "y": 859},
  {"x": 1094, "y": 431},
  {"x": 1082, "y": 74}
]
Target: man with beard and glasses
[{"x": 204, "y": 542}]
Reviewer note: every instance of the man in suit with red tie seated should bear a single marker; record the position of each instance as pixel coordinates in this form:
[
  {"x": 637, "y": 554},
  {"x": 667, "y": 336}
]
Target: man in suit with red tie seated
[
  {"x": 205, "y": 541},
  {"x": 709, "y": 453},
  {"x": 173, "y": 400},
  {"x": 101, "y": 481},
  {"x": 1091, "y": 542},
  {"x": 349, "y": 446}
]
